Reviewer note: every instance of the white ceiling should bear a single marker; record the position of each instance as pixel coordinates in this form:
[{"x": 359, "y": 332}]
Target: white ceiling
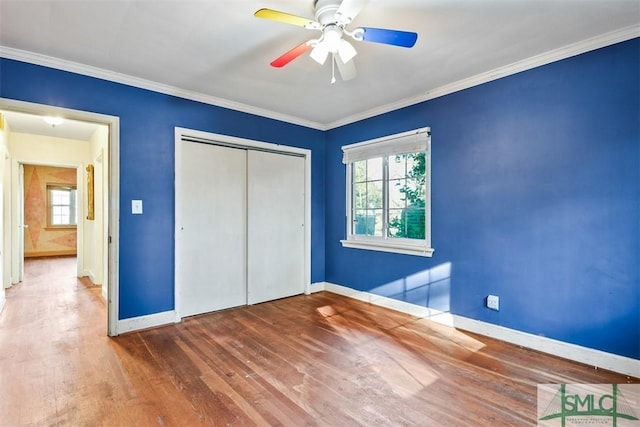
[
  {"x": 216, "y": 51},
  {"x": 33, "y": 124}
]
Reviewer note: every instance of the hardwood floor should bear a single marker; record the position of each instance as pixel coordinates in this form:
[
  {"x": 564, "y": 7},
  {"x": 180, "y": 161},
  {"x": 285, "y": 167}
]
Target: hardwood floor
[{"x": 310, "y": 360}]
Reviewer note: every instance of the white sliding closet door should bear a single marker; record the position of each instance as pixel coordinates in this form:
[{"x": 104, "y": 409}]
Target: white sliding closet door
[
  {"x": 210, "y": 220},
  {"x": 275, "y": 226}
]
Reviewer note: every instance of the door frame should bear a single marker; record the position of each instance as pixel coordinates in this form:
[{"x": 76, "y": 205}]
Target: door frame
[
  {"x": 249, "y": 144},
  {"x": 18, "y": 203},
  {"x": 111, "y": 244}
]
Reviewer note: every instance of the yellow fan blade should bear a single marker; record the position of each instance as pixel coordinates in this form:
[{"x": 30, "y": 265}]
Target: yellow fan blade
[{"x": 287, "y": 18}]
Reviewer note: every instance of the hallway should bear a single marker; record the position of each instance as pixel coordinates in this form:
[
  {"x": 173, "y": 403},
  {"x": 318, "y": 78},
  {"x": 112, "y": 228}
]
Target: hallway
[{"x": 53, "y": 346}]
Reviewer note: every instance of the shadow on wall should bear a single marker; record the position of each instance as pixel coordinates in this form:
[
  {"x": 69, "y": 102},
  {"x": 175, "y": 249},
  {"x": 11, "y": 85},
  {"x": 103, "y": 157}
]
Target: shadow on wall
[{"x": 428, "y": 288}]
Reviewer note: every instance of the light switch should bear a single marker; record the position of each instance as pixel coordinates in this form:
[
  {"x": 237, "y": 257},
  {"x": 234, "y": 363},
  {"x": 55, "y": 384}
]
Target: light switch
[{"x": 136, "y": 207}]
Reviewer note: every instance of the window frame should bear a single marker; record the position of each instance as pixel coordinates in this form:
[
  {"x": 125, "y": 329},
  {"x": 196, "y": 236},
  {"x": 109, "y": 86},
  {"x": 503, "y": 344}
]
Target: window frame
[
  {"x": 418, "y": 140},
  {"x": 57, "y": 186}
]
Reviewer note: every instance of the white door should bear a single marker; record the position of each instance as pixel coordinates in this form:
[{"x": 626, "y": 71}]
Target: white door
[
  {"x": 3, "y": 255},
  {"x": 275, "y": 226},
  {"x": 210, "y": 222},
  {"x": 21, "y": 224}
]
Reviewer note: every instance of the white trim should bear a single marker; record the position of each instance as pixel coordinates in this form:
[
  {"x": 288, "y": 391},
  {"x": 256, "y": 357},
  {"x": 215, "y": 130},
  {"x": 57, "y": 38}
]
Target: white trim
[
  {"x": 577, "y": 353},
  {"x": 400, "y": 143},
  {"x": 3, "y": 299},
  {"x": 389, "y": 245},
  {"x": 554, "y": 55},
  {"x": 89, "y": 273},
  {"x": 146, "y": 322},
  {"x": 317, "y": 287},
  {"x": 87, "y": 70},
  {"x": 113, "y": 123},
  {"x": 568, "y": 51}
]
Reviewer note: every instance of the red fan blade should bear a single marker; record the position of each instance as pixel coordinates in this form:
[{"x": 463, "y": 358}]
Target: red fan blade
[{"x": 291, "y": 55}]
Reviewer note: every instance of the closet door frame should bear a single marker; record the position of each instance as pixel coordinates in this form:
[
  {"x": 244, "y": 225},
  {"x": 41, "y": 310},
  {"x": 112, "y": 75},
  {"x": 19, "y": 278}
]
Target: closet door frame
[{"x": 230, "y": 141}]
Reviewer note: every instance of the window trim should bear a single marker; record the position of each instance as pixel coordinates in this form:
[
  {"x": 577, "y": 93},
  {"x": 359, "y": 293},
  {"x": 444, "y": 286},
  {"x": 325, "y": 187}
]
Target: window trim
[
  {"x": 401, "y": 143},
  {"x": 57, "y": 186}
]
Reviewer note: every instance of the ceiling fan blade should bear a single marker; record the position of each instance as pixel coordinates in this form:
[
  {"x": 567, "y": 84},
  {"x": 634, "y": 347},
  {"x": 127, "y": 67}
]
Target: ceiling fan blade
[
  {"x": 348, "y": 10},
  {"x": 347, "y": 70},
  {"x": 287, "y": 18},
  {"x": 290, "y": 55},
  {"x": 385, "y": 36}
]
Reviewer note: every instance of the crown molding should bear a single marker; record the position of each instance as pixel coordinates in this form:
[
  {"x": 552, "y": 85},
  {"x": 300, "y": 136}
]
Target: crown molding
[
  {"x": 565, "y": 52},
  {"x": 87, "y": 70},
  {"x": 568, "y": 51}
]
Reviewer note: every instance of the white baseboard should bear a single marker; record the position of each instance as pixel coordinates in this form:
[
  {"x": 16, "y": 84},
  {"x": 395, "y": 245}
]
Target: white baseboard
[
  {"x": 3, "y": 300},
  {"x": 145, "y": 322},
  {"x": 588, "y": 356},
  {"x": 88, "y": 273},
  {"x": 317, "y": 287}
]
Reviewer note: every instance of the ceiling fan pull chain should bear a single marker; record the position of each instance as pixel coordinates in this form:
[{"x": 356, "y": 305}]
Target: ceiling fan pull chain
[{"x": 333, "y": 68}]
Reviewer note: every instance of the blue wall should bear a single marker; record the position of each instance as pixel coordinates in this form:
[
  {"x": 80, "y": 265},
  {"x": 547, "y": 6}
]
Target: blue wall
[
  {"x": 536, "y": 198},
  {"x": 147, "y": 121},
  {"x": 536, "y": 194}
]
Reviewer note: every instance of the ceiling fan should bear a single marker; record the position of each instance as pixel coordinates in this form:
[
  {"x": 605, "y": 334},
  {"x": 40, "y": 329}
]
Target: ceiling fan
[{"x": 331, "y": 19}]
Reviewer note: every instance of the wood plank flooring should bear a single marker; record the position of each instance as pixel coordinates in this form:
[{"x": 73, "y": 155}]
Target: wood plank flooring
[{"x": 312, "y": 360}]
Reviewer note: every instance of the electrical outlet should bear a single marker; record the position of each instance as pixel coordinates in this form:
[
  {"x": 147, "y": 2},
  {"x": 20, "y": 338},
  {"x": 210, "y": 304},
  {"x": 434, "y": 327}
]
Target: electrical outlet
[{"x": 493, "y": 302}]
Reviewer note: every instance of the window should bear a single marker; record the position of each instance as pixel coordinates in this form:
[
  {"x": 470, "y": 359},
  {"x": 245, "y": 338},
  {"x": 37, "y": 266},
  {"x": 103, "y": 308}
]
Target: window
[
  {"x": 61, "y": 202},
  {"x": 388, "y": 193}
]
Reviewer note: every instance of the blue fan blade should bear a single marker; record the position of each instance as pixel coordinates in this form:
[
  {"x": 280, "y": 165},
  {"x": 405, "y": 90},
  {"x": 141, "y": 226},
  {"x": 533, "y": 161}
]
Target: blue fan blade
[{"x": 393, "y": 37}]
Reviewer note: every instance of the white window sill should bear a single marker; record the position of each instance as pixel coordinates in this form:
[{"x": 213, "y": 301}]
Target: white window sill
[{"x": 389, "y": 246}]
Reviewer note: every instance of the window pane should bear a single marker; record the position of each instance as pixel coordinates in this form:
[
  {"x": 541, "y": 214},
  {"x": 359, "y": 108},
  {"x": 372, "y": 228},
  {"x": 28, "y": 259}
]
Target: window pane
[
  {"x": 407, "y": 196},
  {"x": 63, "y": 207},
  {"x": 374, "y": 169},
  {"x": 407, "y": 223},
  {"x": 360, "y": 195},
  {"x": 397, "y": 166},
  {"x": 374, "y": 194},
  {"x": 360, "y": 171},
  {"x": 378, "y": 225},
  {"x": 365, "y": 222},
  {"x": 397, "y": 198},
  {"x": 397, "y": 227},
  {"x": 60, "y": 197}
]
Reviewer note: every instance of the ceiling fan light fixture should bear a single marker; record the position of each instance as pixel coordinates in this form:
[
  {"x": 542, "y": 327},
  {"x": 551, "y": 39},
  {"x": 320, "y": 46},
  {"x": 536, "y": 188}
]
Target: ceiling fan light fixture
[
  {"x": 53, "y": 121},
  {"x": 319, "y": 53},
  {"x": 331, "y": 39},
  {"x": 346, "y": 51}
]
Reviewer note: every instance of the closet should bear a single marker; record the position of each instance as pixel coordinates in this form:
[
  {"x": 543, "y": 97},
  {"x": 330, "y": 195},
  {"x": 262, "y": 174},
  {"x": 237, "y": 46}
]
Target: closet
[{"x": 240, "y": 224}]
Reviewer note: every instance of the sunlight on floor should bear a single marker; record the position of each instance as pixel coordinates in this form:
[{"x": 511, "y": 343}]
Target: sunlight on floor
[{"x": 386, "y": 351}]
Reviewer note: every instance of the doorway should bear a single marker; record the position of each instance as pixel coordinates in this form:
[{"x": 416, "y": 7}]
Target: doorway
[
  {"x": 242, "y": 222},
  {"x": 94, "y": 157}
]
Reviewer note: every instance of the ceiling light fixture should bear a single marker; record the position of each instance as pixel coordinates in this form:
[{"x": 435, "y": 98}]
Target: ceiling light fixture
[
  {"x": 53, "y": 121},
  {"x": 332, "y": 18},
  {"x": 332, "y": 42}
]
